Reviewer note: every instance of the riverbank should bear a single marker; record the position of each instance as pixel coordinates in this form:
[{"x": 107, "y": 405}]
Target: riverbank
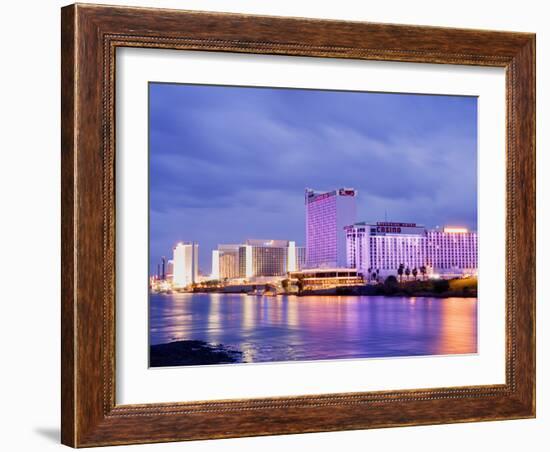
[
  {"x": 434, "y": 288},
  {"x": 191, "y": 353},
  {"x": 391, "y": 287},
  {"x": 398, "y": 291}
]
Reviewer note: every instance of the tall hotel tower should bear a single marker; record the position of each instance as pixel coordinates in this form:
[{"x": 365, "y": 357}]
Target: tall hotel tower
[
  {"x": 327, "y": 213},
  {"x": 186, "y": 259}
]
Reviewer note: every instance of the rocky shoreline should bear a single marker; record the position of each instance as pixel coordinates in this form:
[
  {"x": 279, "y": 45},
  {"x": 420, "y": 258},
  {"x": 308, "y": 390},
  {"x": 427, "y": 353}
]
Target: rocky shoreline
[{"x": 191, "y": 353}]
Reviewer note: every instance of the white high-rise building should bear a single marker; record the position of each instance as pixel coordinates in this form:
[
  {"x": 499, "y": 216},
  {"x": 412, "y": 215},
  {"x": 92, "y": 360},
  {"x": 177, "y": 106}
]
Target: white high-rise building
[
  {"x": 291, "y": 259},
  {"x": 382, "y": 247},
  {"x": 215, "y": 265},
  {"x": 452, "y": 251},
  {"x": 296, "y": 257},
  {"x": 225, "y": 262},
  {"x": 257, "y": 258},
  {"x": 327, "y": 213},
  {"x": 186, "y": 264}
]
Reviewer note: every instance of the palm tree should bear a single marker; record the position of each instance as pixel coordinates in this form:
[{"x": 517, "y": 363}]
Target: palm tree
[
  {"x": 370, "y": 271},
  {"x": 407, "y": 272},
  {"x": 423, "y": 270},
  {"x": 400, "y": 272},
  {"x": 415, "y": 272}
]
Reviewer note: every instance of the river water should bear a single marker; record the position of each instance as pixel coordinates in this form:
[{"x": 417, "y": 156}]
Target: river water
[{"x": 290, "y": 328}]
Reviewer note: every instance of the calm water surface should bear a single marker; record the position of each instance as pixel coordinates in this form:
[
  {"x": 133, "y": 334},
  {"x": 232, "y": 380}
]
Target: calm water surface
[{"x": 290, "y": 328}]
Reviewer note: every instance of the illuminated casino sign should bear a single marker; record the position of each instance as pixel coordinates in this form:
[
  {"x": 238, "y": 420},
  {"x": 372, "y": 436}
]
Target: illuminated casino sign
[
  {"x": 313, "y": 197},
  {"x": 388, "y": 229},
  {"x": 346, "y": 192}
]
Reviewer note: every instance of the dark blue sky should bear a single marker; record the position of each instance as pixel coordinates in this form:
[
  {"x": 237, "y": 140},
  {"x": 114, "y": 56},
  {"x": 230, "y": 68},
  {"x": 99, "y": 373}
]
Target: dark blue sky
[{"x": 230, "y": 163}]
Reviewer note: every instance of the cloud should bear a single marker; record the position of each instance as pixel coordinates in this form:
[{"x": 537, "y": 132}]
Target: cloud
[{"x": 228, "y": 162}]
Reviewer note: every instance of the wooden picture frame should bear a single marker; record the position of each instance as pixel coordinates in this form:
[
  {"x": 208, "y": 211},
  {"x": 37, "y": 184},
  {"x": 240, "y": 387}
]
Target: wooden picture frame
[{"x": 90, "y": 36}]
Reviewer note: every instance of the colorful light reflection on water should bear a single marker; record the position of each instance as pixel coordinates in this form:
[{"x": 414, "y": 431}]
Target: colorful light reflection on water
[{"x": 290, "y": 328}]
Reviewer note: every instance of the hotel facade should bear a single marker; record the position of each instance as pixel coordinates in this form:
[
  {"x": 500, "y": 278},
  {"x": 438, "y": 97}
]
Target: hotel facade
[
  {"x": 257, "y": 259},
  {"x": 382, "y": 247},
  {"x": 327, "y": 213},
  {"x": 452, "y": 249},
  {"x": 225, "y": 262}
]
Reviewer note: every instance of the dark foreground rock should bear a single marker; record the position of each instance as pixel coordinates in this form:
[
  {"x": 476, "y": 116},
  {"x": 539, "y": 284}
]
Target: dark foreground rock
[{"x": 191, "y": 353}]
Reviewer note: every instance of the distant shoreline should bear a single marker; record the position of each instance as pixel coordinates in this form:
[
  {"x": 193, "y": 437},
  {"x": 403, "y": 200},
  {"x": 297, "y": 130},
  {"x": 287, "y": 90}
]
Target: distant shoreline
[
  {"x": 345, "y": 291},
  {"x": 332, "y": 292},
  {"x": 457, "y": 288}
]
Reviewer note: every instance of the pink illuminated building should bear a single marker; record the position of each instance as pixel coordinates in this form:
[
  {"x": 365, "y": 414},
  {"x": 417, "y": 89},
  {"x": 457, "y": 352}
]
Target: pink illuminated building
[{"x": 327, "y": 213}]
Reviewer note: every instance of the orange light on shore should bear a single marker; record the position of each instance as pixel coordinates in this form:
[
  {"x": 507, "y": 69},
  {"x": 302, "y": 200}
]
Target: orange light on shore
[{"x": 455, "y": 230}]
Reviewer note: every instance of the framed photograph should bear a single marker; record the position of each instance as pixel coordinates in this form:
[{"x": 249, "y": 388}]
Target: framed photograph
[{"x": 281, "y": 225}]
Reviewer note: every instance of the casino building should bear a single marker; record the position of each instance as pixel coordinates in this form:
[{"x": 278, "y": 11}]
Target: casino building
[
  {"x": 327, "y": 213},
  {"x": 383, "y": 246},
  {"x": 256, "y": 259}
]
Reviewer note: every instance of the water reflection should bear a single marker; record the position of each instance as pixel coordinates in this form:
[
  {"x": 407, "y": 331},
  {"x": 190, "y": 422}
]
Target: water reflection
[{"x": 304, "y": 328}]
